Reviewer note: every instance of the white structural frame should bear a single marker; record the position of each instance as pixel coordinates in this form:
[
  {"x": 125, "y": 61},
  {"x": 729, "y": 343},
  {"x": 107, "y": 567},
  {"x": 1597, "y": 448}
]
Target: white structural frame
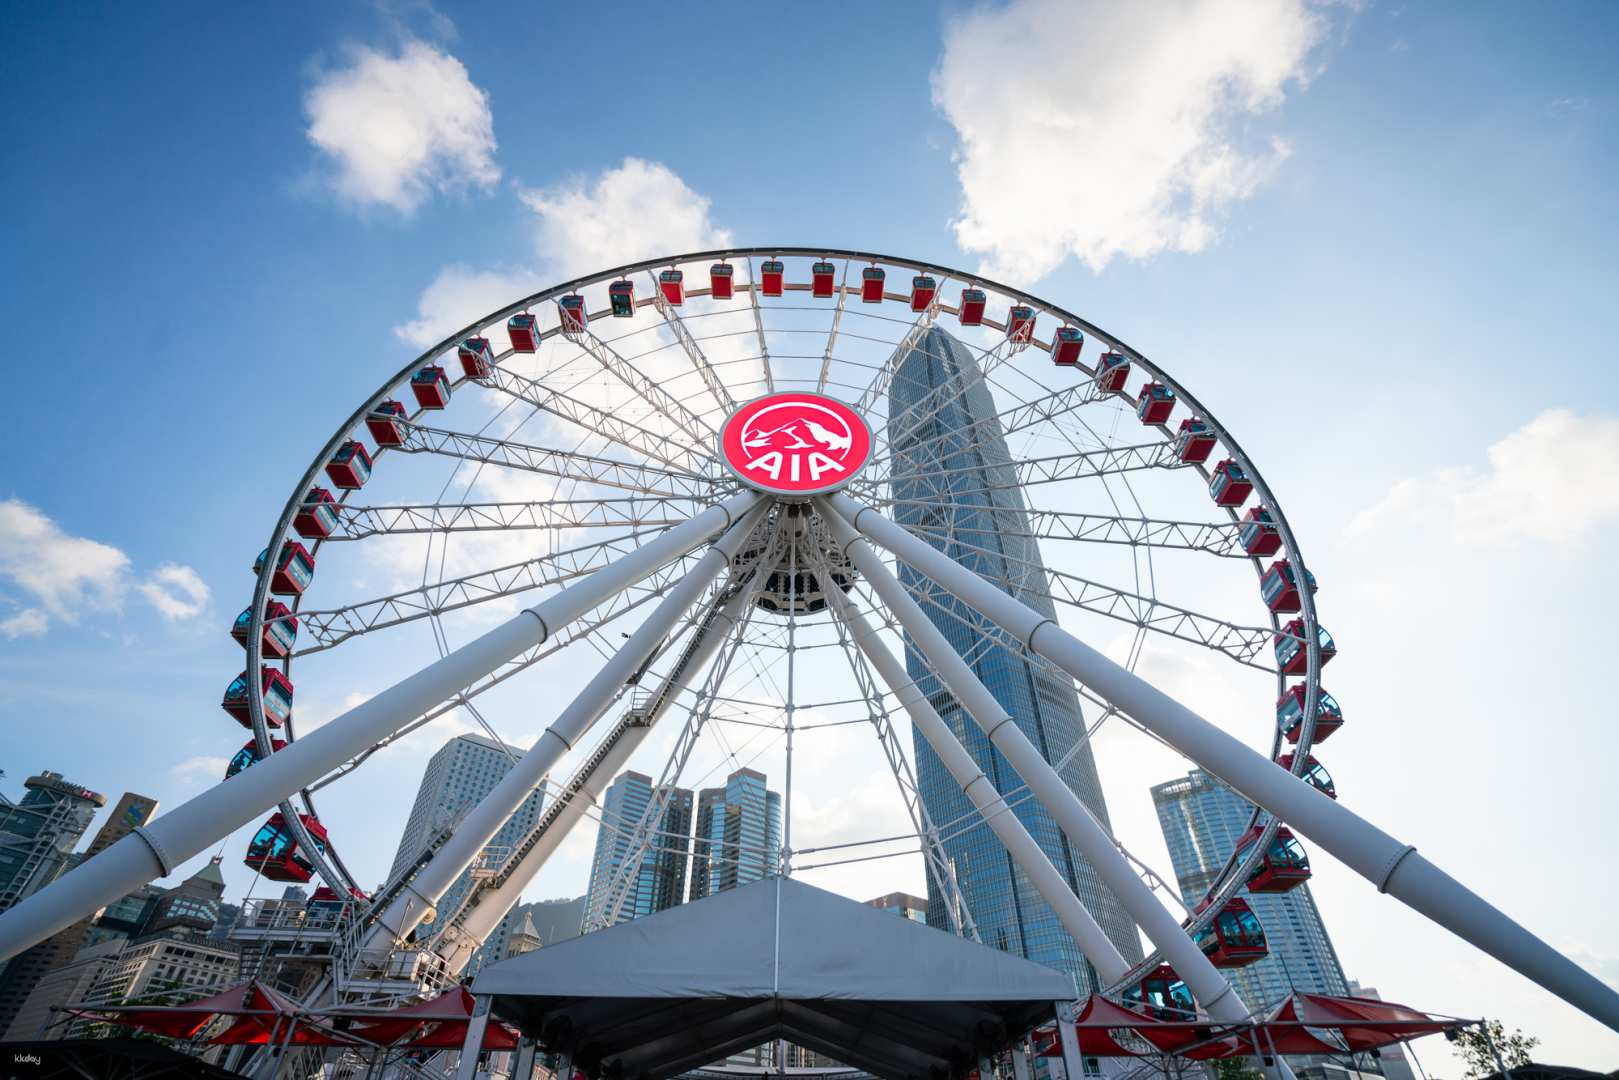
[{"x": 688, "y": 501}]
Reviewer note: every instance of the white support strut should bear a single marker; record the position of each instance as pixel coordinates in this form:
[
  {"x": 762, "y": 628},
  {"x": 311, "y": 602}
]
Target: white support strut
[
  {"x": 1394, "y": 867},
  {"x": 477, "y": 920},
  {"x": 991, "y": 806},
  {"x": 1212, "y": 990},
  {"x": 202, "y": 822},
  {"x": 480, "y": 825}
]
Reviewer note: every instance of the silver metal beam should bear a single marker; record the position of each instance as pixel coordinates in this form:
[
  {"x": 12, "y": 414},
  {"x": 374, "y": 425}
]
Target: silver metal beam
[
  {"x": 194, "y": 826},
  {"x": 1394, "y": 867}
]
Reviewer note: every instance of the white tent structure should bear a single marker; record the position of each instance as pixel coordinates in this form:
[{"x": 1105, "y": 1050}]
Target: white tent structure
[{"x": 657, "y": 996}]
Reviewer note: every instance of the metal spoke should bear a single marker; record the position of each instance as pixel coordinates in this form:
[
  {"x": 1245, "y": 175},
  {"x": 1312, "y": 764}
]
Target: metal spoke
[
  {"x": 1216, "y": 538},
  {"x": 671, "y": 448},
  {"x": 677, "y": 325},
  {"x": 879, "y": 383},
  {"x": 564, "y": 464},
  {"x": 361, "y": 522},
  {"x": 759, "y": 326},
  {"x": 684, "y": 423},
  {"x": 1044, "y": 470},
  {"x": 832, "y": 335},
  {"x": 331, "y": 627}
]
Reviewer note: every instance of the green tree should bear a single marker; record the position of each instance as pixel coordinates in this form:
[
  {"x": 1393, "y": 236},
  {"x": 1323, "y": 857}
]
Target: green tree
[
  {"x": 1236, "y": 1069},
  {"x": 1473, "y": 1044}
]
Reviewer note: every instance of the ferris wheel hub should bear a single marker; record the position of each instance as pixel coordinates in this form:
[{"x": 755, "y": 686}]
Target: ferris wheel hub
[{"x": 796, "y": 444}]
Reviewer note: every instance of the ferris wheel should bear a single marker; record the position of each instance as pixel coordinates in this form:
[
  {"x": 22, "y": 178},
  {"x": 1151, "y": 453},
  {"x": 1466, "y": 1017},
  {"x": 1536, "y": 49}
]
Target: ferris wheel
[{"x": 748, "y": 496}]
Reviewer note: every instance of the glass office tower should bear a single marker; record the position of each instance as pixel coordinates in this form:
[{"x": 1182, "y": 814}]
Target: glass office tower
[
  {"x": 951, "y": 461},
  {"x": 1202, "y": 820},
  {"x": 660, "y": 881}
]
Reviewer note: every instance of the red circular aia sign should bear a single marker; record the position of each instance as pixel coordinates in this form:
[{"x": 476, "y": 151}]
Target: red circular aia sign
[{"x": 795, "y": 443}]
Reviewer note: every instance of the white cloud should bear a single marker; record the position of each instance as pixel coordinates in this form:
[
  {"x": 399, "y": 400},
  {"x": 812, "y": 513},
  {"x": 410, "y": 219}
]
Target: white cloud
[
  {"x": 458, "y": 295},
  {"x": 202, "y": 767},
  {"x": 1547, "y": 481},
  {"x": 397, "y": 128},
  {"x": 178, "y": 592},
  {"x": 29, "y": 622},
  {"x": 1106, "y": 129},
  {"x": 65, "y": 575},
  {"x": 637, "y": 210}
]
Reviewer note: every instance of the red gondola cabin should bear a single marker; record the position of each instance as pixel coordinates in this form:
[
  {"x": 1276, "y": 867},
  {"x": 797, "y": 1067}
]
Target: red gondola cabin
[
  {"x": 1111, "y": 372},
  {"x": 1163, "y": 995},
  {"x": 923, "y": 290},
  {"x": 1065, "y": 346},
  {"x": 720, "y": 281},
  {"x": 672, "y": 284},
  {"x": 280, "y": 629},
  {"x": 973, "y": 302},
  {"x": 1292, "y": 658},
  {"x": 1194, "y": 442},
  {"x": 277, "y": 698},
  {"x": 1314, "y": 774},
  {"x": 317, "y": 515},
  {"x": 1020, "y": 323},
  {"x": 1290, "y": 715},
  {"x": 572, "y": 316},
  {"x": 294, "y": 569},
  {"x": 431, "y": 387},
  {"x": 1259, "y": 534},
  {"x": 524, "y": 331},
  {"x": 350, "y": 467},
  {"x": 1154, "y": 404},
  {"x": 871, "y": 284},
  {"x": 621, "y": 298},
  {"x": 327, "y": 905},
  {"x": 1230, "y": 486},
  {"x": 771, "y": 275},
  {"x": 1280, "y": 587},
  {"x": 249, "y": 755},
  {"x": 388, "y": 423},
  {"x": 1235, "y": 937},
  {"x": 821, "y": 275},
  {"x": 1284, "y": 865},
  {"x": 477, "y": 358},
  {"x": 274, "y": 854}
]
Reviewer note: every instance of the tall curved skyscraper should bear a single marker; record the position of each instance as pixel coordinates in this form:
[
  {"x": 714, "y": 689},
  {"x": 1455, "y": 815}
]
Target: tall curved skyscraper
[{"x": 969, "y": 505}]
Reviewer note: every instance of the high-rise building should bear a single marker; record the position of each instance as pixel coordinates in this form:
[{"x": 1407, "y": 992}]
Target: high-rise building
[
  {"x": 902, "y": 904},
  {"x": 19, "y": 978},
  {"x": 457, "y": 777},
  {"x": 38, "y": 834},
  {"x": 660, "y": 879},
  {"x": 738, "y": 834},
  {"x": 1202, "y": 821},
  {"x": 958, "y": 481}
]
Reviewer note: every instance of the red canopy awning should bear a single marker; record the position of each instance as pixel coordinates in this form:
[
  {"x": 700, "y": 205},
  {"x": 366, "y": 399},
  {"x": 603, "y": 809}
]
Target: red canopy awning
[
  {"x": 258, "y": 1011},
  {"x": 1301, "y": 1024},
  {"x": 438, "y": 1022}
]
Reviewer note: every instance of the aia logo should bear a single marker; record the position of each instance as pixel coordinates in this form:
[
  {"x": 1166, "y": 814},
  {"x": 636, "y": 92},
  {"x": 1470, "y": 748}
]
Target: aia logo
[{"x": 795, "y": 443}]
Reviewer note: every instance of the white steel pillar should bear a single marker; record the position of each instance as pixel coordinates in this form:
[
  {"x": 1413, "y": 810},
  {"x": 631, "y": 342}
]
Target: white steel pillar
[
  {"x": 472, "y": 1045},
  {"x": 457, "y": 946},
  {"x": 1068, "y": 1039},
  {"x": 1394, "y": 867},
  {"x": 483, "y": 821},
  {"x": 168, "y": 841},
  {"x": 991, "y": 806},
  {"x": 1211, "y": 988}
]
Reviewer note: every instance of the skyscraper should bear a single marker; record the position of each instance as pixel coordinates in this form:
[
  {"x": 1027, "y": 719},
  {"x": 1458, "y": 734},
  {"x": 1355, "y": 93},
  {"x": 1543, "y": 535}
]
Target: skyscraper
[
  {"x": 660, "y": 881},
  {"x": 738, "y": 834},
  {"x": 457, "y": 777},
  {"x": 952, "y": 465},
  {"x": 19, "y": 978},
  {"x": 1202, "y": 821},
  {"x": 38, "y": 834}
]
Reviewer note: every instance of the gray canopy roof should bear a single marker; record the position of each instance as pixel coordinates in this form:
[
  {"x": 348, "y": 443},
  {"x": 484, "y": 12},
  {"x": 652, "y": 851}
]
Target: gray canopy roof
[{"x": 685, "y": 987}]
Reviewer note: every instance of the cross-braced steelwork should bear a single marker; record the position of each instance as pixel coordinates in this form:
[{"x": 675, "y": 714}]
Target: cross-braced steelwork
[{"x": 565, "y": 520}]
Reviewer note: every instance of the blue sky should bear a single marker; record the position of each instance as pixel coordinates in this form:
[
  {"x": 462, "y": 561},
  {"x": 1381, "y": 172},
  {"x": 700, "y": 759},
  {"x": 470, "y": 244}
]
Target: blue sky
[{"x": 1407, "y": 261}]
